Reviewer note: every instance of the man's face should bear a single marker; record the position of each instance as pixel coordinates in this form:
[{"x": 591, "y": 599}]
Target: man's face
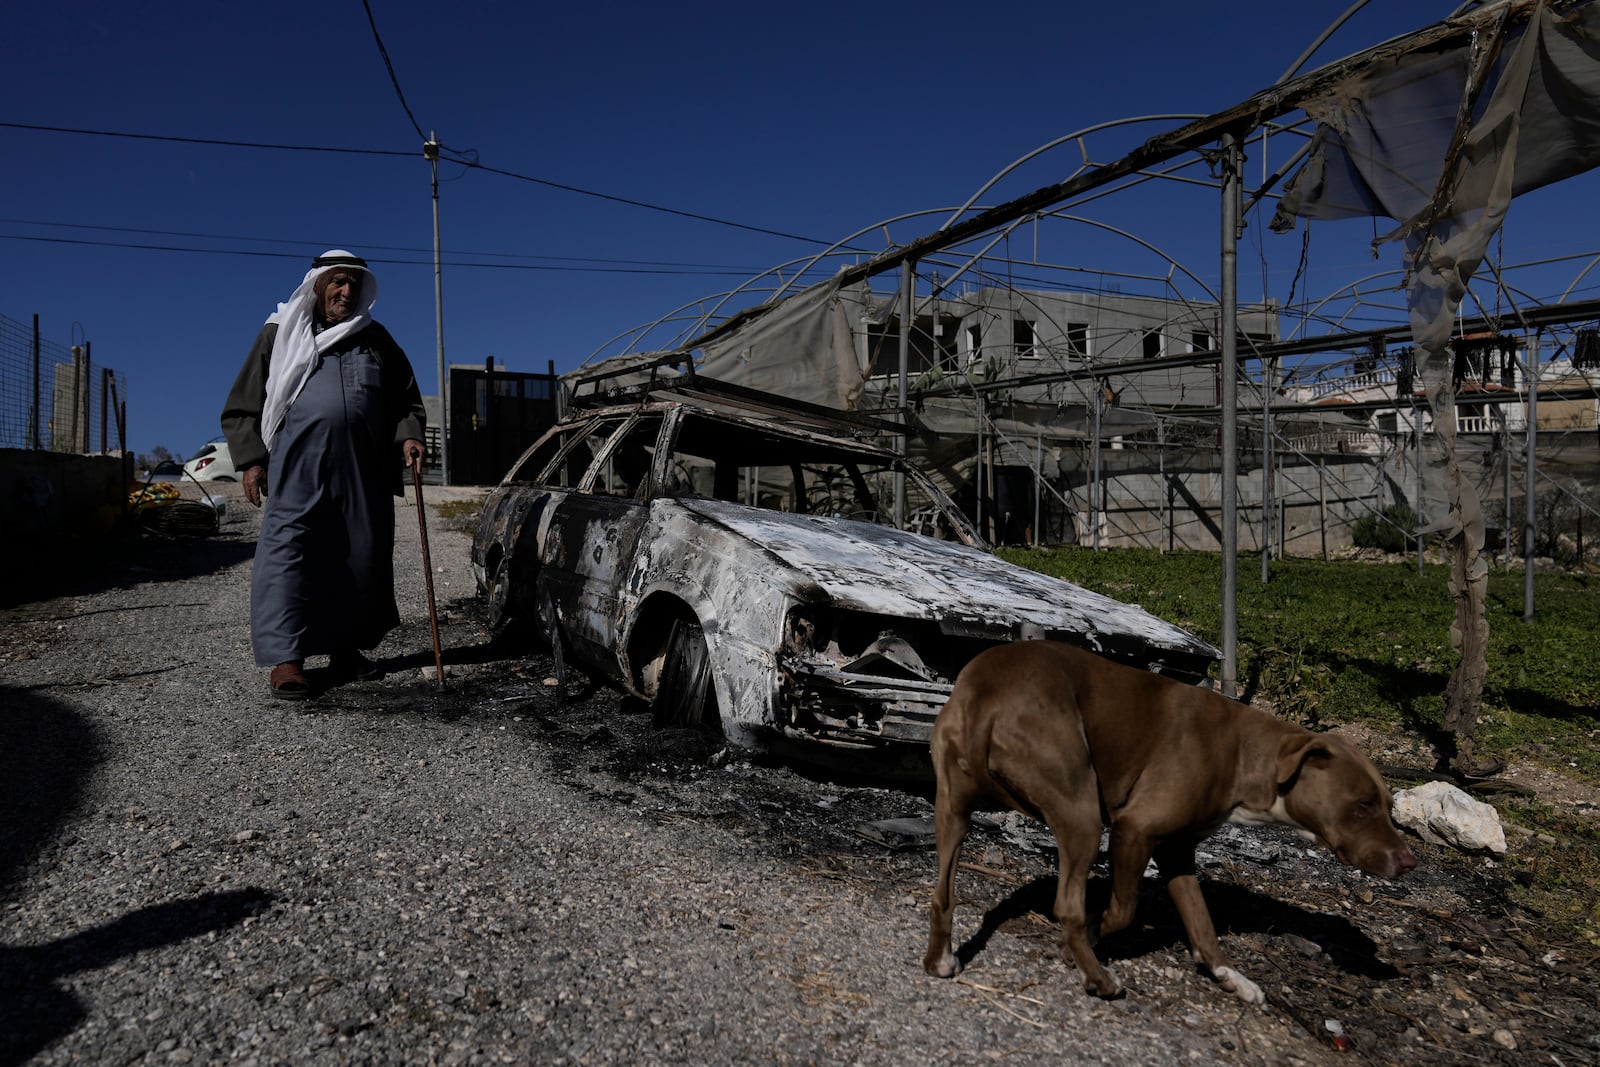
[{"x": 336, "y": 295}]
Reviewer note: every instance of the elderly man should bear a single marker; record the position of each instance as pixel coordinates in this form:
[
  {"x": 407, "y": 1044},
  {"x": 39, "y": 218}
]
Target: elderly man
[{"x": 323, "y": 416}]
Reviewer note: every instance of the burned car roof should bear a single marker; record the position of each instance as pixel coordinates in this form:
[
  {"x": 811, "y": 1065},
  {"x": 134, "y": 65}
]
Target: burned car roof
[{"x": 733, "y": 561}]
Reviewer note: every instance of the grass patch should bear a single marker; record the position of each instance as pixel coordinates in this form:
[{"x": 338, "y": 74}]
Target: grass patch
[
  {"x": 1558, "y": 871},
  {"x": 1370, "y": 642},
  {"x": 458, "y": 509}
]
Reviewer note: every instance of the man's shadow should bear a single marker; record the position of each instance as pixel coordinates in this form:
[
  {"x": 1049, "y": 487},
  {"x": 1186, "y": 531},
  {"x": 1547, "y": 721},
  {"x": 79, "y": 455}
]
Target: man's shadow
[
  {"x": 1156, "y": 925},
  {"x": 47, "y": 753}
]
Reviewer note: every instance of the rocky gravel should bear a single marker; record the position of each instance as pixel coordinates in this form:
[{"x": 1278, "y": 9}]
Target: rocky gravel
[{"x": 505, "y": 870}]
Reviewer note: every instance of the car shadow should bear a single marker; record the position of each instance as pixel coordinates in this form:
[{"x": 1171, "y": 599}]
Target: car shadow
[{"x": 47, "y": 755}]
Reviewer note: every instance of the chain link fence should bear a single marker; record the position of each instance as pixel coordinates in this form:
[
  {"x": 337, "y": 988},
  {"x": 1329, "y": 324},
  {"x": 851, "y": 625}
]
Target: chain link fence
[{"x": 54, "y": 398}]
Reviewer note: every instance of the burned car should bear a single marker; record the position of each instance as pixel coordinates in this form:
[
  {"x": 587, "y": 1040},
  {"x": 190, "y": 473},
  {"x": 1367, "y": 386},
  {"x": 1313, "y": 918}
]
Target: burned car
[{"x": 723, "y": 555}]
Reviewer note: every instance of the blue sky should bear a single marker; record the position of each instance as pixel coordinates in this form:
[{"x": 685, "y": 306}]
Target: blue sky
[{"x": 811, "y": 121}]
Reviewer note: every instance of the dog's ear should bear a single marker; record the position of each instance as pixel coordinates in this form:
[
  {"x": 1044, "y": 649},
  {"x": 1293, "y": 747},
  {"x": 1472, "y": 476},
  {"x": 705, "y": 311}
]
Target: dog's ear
[{"x": 1295, "y": 753}]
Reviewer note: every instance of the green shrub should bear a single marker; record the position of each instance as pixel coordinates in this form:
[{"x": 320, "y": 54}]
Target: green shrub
[{"x": 1390, "y": 530}]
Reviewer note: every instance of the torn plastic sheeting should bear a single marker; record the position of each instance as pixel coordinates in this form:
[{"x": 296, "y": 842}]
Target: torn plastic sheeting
[
  {"x": 803, "y": 347},
  {"x": 1384, "y": 136}
]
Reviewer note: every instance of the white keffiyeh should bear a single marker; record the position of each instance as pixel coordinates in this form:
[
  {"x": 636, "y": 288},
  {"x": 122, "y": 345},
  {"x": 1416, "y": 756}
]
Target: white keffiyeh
[{"x": 298, "y": 343}]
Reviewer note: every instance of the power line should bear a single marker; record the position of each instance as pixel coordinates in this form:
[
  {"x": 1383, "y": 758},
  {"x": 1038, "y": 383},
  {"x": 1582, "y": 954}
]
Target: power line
[
  {"x": 464, "y": 159},
  {"x": 395, "y": 81},
  {"x": 654, "y": 207},
  {"x": 455, "y": 157},
  {"x": 734, "y": 272},
  {"x": 718, "y": 267},
  {"x": 207, "y": 140}
]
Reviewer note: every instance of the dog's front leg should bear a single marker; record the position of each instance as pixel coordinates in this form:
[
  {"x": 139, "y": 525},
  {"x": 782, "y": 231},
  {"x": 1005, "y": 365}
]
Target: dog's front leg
[{"x": 1176, "y": 861}]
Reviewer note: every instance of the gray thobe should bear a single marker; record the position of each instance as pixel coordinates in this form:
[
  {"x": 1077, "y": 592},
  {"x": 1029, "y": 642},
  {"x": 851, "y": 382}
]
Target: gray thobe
[{"x": 323, "y": 579}]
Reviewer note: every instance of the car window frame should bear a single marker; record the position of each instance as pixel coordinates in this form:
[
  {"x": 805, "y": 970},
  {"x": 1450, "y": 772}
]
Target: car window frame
[
  {"x": 623, "y": 433},
  {"x": 582, "y": 428}
]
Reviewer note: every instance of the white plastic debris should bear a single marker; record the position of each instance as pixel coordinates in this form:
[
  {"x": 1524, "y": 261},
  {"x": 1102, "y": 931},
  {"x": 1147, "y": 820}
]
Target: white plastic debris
[{"x": 1444, "y": 815}]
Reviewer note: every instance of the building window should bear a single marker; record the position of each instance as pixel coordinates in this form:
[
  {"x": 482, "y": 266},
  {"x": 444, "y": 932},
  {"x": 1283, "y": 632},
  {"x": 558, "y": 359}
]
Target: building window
[
  {"x": 1077, "y": 334},
  {"x": 1023, "y": 339},
  {"x": 1152, "y": 344},
  {"x": 1200, "y": 341},
  {"x": 972, "y": 344}
]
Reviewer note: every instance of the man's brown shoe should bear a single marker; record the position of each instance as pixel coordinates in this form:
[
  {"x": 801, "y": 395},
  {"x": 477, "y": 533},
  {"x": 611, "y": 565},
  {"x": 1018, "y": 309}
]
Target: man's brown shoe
[{"x": 289, "y": 682}]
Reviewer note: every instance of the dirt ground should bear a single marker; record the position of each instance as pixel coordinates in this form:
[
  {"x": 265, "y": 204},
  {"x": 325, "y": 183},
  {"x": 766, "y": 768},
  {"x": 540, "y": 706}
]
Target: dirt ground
[
  {"x": 1443, "y": 966},
  {"x": 1446, "y": 966}
]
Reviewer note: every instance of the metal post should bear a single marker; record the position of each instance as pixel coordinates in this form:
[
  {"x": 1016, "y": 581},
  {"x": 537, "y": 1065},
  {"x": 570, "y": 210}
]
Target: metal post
[
  {"x": 80, "y": 440},
  {"x": 989, "y": 487},
  {"x": 120, "y": 409},
  {"x": 33, "y": 412},
  {"x": 430, "y": 152},
  {"x": 977, "y": 472},
  {"x": 1097, "y": 496},
  {"x": 1232, "y": 160},
  {"x": 1038, "y": 488},
  {"x": 105, "y": 397},
  {"x": 908, "y": 281},
  {"x": 1266, "y": 470},
  {"x": 1505, "y": 478},
  {"x": 1166, "y": 495},
  {"x": 1322, "y": 504},
  {"x": 490, "y": 427},
  {"x": 65, "y": 438},
  {"x": 1416, "y": 417},
  {"x": 1532, "y": 368}
]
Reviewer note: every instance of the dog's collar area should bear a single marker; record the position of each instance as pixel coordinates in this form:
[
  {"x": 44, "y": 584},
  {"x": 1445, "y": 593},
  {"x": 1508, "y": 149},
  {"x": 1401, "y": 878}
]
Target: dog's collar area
[{"x": 1277, "y": 815}]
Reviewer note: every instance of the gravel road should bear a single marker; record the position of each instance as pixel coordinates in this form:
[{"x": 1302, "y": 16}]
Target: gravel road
[{"x": 506, "y": 871}]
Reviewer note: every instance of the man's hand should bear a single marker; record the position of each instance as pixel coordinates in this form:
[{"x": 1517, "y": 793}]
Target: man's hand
[
  {"x": 255, "y": 484},
  {"x": 412, "y": 450}
]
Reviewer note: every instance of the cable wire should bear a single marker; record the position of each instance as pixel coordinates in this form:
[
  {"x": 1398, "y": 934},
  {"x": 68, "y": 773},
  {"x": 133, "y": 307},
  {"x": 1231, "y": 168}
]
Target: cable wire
[
  {"x": 389, "y": 66},
  {"x": 206, "y": 140},
  {"x": 467, "y": 158},
  {"x": 717, "y": 267},
  {"x": 737, "y": 272}
]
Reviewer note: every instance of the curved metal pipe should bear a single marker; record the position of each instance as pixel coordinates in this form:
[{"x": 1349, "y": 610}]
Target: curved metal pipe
[
  {"x": 1078, "y": 135},
  {"x": 1321, "y": 40}
]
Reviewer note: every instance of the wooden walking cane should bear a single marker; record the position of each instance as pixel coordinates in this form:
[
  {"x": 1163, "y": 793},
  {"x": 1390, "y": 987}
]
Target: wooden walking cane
[{"x": 427, "y": 573}]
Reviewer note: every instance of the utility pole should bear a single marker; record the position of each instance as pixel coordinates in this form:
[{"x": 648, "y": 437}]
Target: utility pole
[{"x": 430, "y": 152}]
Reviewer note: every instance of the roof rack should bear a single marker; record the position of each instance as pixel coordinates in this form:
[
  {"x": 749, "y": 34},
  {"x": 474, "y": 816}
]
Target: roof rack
[
  {"x": 672, "y": 375},
  {"x": 648, "y": 363}
]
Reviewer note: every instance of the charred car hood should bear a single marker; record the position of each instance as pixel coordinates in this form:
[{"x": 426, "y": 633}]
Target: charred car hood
[{"x": 877, "y": 569}]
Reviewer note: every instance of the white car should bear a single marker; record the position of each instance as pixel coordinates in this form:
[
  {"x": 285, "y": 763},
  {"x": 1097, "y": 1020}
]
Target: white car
[
  {"x": 720, "y": 554},
  {"x": 212, "y": 463}
]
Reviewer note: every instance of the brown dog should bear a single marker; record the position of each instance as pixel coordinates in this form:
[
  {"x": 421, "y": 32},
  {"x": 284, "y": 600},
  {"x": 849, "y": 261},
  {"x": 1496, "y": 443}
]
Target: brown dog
[{"x": 1071, "y": 738}]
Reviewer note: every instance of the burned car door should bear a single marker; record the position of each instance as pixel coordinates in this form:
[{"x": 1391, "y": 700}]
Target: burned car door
[
  {"x": 510, "y": 547},
  {"x": 591, "y": 542}
]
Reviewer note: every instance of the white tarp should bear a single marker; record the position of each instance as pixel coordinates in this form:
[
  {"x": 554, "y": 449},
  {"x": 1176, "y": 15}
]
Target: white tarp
[
  {"x": 803, "y": 348},
  {"x": 1386, "y": 136},
  {"x": 1441, "y": 141}
]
